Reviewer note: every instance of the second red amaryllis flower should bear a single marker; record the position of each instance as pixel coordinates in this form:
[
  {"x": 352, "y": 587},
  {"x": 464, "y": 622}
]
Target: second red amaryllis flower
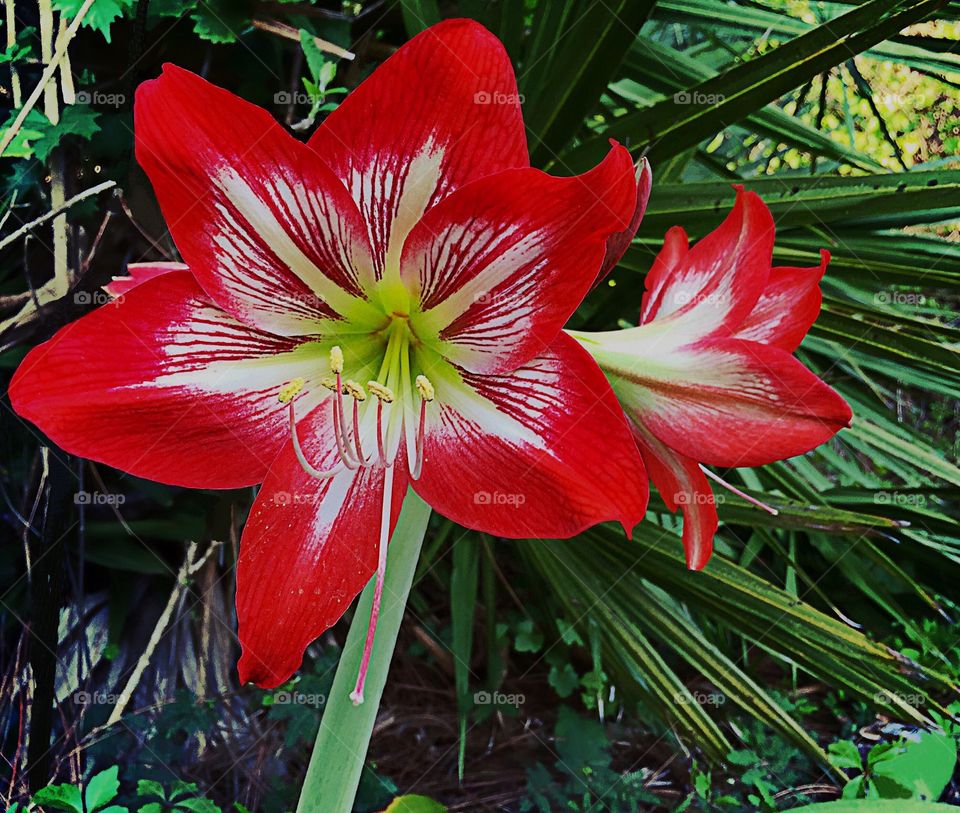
[
  {"x": 381, "y": 306},
  {"x": 708, "y": 376}
]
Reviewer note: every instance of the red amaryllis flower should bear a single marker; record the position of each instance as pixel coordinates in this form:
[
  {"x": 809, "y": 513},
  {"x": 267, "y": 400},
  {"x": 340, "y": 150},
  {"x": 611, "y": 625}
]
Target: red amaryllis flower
[
  {"x": 378, "y": 307},
  {"x": 708, "y": 376}
]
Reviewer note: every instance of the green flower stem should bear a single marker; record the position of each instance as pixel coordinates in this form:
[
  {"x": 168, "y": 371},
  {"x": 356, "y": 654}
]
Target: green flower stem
[{"x": 333, "y": 774}]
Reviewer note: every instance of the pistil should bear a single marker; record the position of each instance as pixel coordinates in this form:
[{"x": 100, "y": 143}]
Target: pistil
[
  {"x": 394, "y": 372},
  {"x": 357, "y": 694}
]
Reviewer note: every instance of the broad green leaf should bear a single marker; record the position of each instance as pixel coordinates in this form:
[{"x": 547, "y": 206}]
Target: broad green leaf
[
  {"x": 102, "y": 788},
  {"x": 60, "y": 797},
  {"x": 922, "y": 766}
]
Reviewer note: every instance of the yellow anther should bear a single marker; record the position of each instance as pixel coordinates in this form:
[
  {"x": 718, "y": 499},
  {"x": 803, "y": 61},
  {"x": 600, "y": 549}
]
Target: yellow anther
[
  {"x": 425, "y": 388},
  {"x": 355, "y": 390},
  {"x": 329, "y": 382},
  {"x": 290, "y": 390},
  {"x": 381, "y": 391},
  {"x": 336, "y": 359}
]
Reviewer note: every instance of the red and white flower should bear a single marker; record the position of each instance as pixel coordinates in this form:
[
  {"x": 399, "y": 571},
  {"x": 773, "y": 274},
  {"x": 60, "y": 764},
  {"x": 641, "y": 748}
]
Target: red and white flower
[
  {"x": 379, "y": 307},
  {"x": 708, "y": 376}
]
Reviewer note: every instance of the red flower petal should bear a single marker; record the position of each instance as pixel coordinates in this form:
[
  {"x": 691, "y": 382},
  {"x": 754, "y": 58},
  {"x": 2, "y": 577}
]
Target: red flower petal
[
  {"x": 138, "y": 273},
  {"x": 308, "y": 548},
  {"x": 501, "y": 264},
  {"x": 442, "y": 111},
  {"x": 731, "y": 402},
  {"x": 788, "y": 307},
  {"x": 542, "y": 452},
  {"x": 682, "y": 485},
  {"x": 164, "y": 385},
  {"x": 266, "y": 228},
  {"x": 709, "y": 290},
  {"x": 618, "y": 243}
]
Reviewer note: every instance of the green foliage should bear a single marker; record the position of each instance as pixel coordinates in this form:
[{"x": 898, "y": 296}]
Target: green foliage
[
  {"x": 414, "y": 804},
  {"x": 38, "y": 137},
  {"x": 582, "y": 778},
  {"x": 101, "y": 789},
  {"x": 101, "y": 14},
  {"x": 918, "y": 766},
  {"x": 182, "y": 797}
]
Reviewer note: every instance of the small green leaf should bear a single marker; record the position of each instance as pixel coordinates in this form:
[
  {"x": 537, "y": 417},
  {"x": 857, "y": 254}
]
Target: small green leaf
[
  {"x": 844, "y": 754},
  {"x": 528, "y": 638},
  {"x": 102, "y": 788},
  {"x": 148, "y": 787},
  {"x": 564, "y": 680},
  {"x": 316, "y": 62},
  {"x": 60, "y": 797},
  {"x": 100, "y": 16},
  {"x": 568, "y": 633},
  {"x": 181, "y": 788},
  {"x": 76, "y": 119},
  {"x": 198, "y": 805},
  {"x": 415, "y": 804},
  {"x": 219, "y": 21}
]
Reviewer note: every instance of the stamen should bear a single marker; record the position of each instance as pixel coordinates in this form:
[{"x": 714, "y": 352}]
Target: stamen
[
  {"x": 340, "y": 425},
  {"x": 329, "y": 382},
  {"x": 357, "y": 694},
  {"x": 358, "y": 394},
  {"x": 381, "y": 391},
  {"x": 290, "y": 390},
  {"x": 354, "y": 390},
  {"x": 318, "y": 474},
  {"x": 427, "y": 394},
  {"x": 336, "y": 359},
  {"x": 418, "y": 460},
  {"x": 742, "y": 494},
  {"x": 381, "y": 454},
  {"x": 425, "y": 388},
  {"x": 384, "y": 395}
]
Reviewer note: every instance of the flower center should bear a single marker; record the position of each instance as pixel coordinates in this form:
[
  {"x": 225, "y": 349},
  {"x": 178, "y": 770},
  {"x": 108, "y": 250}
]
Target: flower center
[{"x": 369, "y": 433}]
